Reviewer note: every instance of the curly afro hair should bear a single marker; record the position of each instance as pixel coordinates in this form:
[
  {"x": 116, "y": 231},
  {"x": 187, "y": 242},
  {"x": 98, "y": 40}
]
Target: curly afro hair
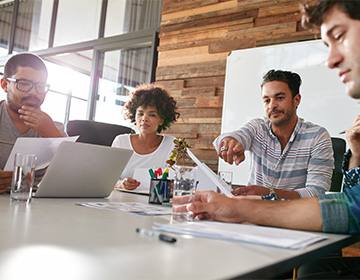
[{"x": 152, "y": 95}]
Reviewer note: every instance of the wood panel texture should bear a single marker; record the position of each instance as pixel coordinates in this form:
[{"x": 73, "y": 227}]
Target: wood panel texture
[{"x": 195, "y": 39}]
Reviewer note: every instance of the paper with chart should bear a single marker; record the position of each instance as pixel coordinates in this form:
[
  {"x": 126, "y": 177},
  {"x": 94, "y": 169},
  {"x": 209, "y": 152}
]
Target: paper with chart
[
  {"x": 144, "y": 209},
  {"x": 43, "y": 148},
  {"x": 221, "y": 184},
  {"x": 277, "y": 237}
]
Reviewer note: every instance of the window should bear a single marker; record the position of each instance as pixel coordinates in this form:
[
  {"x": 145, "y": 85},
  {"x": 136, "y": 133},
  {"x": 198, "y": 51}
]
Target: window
[
  {"x": 77, "y": 21},
  {"x": 6, "y": 15},
  {"x": 122, "y": 71},
  {"x": 69, "y": 79},
  {"x": 96, "y": 51},
  {"x": 33, "y": 25},
  {"x": 134, "y": 15}
]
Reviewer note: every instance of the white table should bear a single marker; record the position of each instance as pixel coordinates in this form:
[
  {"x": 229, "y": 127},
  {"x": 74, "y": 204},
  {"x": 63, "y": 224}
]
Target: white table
[{"x": 56, "y": 239}]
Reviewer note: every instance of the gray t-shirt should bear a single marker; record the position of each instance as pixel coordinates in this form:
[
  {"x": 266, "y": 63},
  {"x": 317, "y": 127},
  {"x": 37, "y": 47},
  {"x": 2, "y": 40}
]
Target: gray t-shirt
[{"x": 9, "y": 133}]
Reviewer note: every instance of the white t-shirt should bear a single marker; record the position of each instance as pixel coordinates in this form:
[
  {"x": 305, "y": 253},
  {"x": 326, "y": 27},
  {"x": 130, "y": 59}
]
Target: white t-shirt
[{"x": 153, "y": 160}]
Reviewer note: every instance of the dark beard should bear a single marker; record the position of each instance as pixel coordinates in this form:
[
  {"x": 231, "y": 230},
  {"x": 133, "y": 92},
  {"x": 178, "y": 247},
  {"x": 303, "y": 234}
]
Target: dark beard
[{"x": 15, "y": 108}]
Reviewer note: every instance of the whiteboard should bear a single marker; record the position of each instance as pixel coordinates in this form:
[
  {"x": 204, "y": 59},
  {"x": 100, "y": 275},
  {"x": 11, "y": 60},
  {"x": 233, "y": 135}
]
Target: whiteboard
[{"x": 324, "y": 101}]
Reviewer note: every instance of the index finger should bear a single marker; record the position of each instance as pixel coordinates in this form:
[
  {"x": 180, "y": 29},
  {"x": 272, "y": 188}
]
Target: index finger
[
  {"x": 234, "y": 150},
  {"x": 204, "y": 196},
  {"x": 29, "y": 111},
  {"x": 130, "y": 180}
]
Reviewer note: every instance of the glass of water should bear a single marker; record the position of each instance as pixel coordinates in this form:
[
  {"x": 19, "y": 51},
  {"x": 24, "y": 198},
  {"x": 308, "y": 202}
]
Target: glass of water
[
  {"x": 184, "y": 192},
  {"x": 23, "y": 177}
]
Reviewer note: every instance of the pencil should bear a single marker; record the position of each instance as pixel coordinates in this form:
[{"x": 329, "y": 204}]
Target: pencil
[{"x": 6, "y": 142}]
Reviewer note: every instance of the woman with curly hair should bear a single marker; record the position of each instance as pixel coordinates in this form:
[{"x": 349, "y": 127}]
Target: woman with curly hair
[{"x": 152, "y": 109}]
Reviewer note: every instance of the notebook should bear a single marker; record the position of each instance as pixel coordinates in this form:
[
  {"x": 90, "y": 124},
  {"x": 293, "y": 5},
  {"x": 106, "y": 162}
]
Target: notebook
[{"x": 83, "y": 170}]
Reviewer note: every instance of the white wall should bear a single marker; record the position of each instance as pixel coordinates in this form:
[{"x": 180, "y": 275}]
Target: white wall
[{"x": 324, "y": 101}]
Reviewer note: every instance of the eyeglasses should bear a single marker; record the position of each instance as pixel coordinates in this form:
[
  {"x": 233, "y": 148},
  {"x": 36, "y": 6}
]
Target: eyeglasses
[{"x": 26, "y": 85}]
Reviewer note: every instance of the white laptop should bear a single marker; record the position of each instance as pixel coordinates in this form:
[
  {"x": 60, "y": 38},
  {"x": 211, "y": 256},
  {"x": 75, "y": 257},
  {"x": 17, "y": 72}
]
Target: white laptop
[{"x": 83, "y": 170}]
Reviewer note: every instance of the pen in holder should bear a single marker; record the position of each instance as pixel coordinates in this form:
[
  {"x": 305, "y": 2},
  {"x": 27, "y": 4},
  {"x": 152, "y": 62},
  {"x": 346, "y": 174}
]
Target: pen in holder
[{"x": 160, "y": 191}]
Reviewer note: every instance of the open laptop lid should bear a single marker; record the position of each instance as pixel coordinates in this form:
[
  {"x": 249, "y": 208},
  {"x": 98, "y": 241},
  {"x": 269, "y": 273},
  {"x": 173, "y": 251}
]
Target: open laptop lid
[{"x": 83, "y": 170}]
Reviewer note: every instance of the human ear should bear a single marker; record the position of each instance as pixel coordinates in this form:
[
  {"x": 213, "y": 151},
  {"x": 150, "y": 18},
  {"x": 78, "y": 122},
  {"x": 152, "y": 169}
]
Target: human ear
[
  {"x": 297, "y": 99},
  {"x": 4, "y": 83}
]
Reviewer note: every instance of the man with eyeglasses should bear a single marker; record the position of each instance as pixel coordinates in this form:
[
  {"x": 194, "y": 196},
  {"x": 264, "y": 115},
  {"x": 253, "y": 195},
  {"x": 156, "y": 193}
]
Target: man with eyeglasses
[{"x": 24, "y": 82}]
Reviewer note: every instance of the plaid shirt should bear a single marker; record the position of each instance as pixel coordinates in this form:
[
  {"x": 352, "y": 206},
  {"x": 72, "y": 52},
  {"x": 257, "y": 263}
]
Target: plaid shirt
[{"x": 340, "y": 212}]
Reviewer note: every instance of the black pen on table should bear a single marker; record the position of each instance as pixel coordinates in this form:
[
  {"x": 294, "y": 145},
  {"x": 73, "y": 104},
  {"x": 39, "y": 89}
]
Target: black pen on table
[
  {"x": 344, "y": 131},
  {"x": 160, "y": 236}
]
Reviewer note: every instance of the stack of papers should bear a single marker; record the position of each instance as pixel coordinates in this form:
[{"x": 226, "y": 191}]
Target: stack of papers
[{"x": 277, "y": 237}]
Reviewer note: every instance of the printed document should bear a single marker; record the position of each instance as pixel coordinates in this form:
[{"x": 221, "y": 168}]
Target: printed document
[
  {"x": 277, "y": 237},
  {"x": 130, "y": 207}
]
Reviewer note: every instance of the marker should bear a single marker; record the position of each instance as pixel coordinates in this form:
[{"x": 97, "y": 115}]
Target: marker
[
  {"x": 158, "y": 173},
  {"x": 158, "y": 193},
  {"x": 165, "y": 174},
  {"x": 160, "y": 236},
  {"x": 152, "y": 175}
]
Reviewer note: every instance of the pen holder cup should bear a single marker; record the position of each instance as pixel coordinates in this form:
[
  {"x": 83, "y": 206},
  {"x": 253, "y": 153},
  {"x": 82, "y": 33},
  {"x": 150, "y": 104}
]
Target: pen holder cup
[{"x": 160, "y": 191}]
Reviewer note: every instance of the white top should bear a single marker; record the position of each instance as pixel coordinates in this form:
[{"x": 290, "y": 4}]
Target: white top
[{"x": 153, "y": 160}]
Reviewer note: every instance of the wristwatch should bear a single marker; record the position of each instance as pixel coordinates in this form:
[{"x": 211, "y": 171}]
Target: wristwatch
[{"x": 272, "y": 192}]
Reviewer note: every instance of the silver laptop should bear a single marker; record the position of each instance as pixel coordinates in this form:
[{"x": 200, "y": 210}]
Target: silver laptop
[{"x": 83, "y": 170}]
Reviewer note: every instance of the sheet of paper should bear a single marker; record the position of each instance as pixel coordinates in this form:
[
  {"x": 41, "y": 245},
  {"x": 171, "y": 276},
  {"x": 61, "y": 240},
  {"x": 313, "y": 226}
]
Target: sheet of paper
[
  {"x": 142, "y": 175},
  {"x": 284, "y": 238},
  {"x": 205, "y": 183},
  {"x": 211, "y": 175},
  {"x": 43, "y": 148},
  {"x": 130, "y": 207}
]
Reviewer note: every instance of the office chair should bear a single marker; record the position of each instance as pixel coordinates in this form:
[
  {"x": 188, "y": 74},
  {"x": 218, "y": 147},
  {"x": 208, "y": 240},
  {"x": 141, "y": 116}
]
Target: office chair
[
  {"x": 95, "y": 132},
  {"x": 339, "y": 148}
]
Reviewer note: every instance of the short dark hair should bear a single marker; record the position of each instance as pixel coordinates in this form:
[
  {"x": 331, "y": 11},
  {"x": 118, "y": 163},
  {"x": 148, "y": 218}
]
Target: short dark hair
[
  {"x": 314, "y": 15},
  {"x": 292, "y": 79},
  {"x": 152, "y": 95},
  {"x": 23, "y": 60}
]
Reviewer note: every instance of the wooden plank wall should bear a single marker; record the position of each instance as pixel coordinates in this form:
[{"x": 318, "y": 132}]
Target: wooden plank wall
[{"x": 195, "y": 40}]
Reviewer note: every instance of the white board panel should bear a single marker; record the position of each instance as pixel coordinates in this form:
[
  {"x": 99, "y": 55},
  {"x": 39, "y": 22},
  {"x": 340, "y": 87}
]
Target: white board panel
[{"x": 324, "y": 101}]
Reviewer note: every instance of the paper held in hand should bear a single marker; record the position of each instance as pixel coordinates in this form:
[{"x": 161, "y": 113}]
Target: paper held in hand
[
  {"x": 221, "y": 184},
  {"x": 43, "y": 148}
]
